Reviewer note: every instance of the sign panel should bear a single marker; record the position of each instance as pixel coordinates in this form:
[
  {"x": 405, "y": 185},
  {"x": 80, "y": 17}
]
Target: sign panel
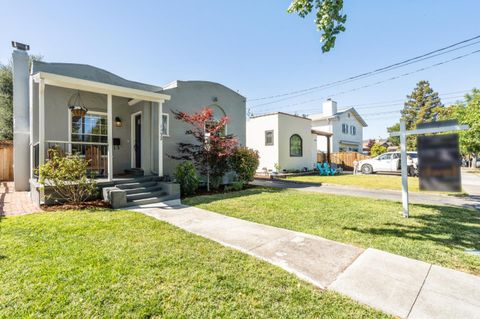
[{"x": 439, "y": 163}]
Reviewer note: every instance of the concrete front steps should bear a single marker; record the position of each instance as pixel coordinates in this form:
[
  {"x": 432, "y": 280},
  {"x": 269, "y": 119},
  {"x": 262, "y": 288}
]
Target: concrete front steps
[{"x": 140, "y": 191}]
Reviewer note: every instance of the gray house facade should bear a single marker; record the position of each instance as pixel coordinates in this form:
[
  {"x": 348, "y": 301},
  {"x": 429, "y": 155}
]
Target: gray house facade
[{"x": 120, "y": 126}]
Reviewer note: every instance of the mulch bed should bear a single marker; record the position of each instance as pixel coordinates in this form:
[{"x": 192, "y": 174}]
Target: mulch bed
[{"x": 95, "y": 204}]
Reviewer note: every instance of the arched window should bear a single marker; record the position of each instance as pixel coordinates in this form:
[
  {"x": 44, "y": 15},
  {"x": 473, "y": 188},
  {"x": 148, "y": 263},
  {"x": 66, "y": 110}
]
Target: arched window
[
  {"x": 296, "y": 147},
  {"x": 218, "y": 113}
]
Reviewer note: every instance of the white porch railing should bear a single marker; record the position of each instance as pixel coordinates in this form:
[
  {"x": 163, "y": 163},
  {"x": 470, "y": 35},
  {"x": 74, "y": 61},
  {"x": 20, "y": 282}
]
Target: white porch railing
[{"x": 95, "y": 153}]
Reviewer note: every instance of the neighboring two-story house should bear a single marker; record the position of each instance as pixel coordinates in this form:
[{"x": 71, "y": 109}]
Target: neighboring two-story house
[{"x": 345, "y": 125}]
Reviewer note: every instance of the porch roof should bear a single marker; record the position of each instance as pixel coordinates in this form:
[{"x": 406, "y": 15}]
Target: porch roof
[{"x": 91, "y": 79}]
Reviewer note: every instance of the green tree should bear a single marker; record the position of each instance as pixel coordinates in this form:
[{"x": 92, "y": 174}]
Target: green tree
[
  {"x": 470, "y": 114},
  {"x": 422, "y": 105},
  {"x": 6, "y": 102},
  {"x": 377, "y": 149},
  {"x": 329, "y": 18},
  {"x": 467, "y": 112},
  {"x": 395, "y": 140}
]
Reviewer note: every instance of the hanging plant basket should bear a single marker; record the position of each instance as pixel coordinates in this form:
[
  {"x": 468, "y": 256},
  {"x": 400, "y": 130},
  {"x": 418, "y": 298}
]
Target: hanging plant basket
[
  {"x": 78, "y": 112},
  {"x": 75, "y": 104}
]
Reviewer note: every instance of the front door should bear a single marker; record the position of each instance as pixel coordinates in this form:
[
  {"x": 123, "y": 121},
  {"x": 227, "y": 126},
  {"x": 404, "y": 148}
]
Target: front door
[{"x": 137, "y": 146}]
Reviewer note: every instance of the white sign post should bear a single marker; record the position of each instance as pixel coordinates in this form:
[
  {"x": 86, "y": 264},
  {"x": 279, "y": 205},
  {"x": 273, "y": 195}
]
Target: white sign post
[
  {"x": 404, "y": 167},
  {"x": 403, "y": 152}
]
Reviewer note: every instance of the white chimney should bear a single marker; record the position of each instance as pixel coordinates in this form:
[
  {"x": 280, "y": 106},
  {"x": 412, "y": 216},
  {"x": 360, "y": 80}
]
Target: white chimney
[
  {"x": 21, "y": 119},
  {"x": 329, "y": 107}
]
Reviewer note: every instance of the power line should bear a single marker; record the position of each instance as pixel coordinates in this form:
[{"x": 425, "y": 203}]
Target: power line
[
  {"x": 379, "y": 70},
  {"x": 382, "y": 81},
  {"x": 364, "y": 77},
  {"x": 378, "y": 106}
]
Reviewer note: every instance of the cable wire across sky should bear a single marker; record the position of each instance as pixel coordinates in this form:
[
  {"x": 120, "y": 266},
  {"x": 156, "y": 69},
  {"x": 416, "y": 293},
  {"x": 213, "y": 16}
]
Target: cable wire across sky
[{"x": 393, "y": 66}]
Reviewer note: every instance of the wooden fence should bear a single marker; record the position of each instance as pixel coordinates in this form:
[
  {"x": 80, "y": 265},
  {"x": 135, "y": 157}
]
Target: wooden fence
[
  {"x": 6, "y": 161},
  {"x": 343, "y": 159}
]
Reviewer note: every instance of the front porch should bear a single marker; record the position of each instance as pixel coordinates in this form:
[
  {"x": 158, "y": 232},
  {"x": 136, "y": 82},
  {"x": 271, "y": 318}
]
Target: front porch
[{"x": 116, "y": 131}]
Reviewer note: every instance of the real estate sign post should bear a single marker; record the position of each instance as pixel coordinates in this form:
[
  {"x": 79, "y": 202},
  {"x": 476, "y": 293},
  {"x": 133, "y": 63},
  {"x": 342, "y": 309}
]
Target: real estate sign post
[{"x": 449, "y": 148}]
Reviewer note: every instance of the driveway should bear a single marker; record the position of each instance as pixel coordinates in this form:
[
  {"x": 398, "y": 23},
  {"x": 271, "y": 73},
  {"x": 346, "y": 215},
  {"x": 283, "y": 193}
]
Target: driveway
[{"x": 471, "y": 183}]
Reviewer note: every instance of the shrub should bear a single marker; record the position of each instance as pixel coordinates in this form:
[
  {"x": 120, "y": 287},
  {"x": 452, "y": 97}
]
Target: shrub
[
  {"x": 377, "y": 149},
  {"x": 67, "y": 177},
  {"x": 235, "y": 186},
  {"x": 186, "y": 176},
  {"x": 244, "y": 161}
]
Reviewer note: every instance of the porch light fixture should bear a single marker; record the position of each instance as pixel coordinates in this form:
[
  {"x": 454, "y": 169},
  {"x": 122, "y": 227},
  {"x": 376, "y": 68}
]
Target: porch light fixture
[
  {"x": 118, "y": 122},
  {"x": 76, "y": 105}
]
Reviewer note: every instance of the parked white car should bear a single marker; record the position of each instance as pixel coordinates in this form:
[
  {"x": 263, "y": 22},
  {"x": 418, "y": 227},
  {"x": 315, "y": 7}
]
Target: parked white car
[{"x": 386, "y": 162}]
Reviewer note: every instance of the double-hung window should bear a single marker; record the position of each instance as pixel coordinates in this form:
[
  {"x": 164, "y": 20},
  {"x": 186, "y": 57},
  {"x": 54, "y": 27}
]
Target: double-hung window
[
  {"x": 268, "y": 138},
  {"x": 353, "y": 130}
]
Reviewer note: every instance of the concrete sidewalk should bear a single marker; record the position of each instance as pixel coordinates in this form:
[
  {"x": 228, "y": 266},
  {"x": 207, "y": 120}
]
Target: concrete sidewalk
[
  {"x": 414, "y": 197},
  {"x": 400, "y": 286}
]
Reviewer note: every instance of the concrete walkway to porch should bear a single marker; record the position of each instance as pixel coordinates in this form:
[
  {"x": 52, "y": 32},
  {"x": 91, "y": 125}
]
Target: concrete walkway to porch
[
  {"x": 15, "y": 203},
  {"x": 397, "y": 285}
]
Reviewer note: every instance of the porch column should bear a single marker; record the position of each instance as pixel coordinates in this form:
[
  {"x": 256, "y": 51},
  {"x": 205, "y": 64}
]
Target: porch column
[
  {"x": 30, "y": 121},
  {"x": 110, "y": 136},
  {"x": 160, "y": 139},
  {"x": 41, "y": 122},
  {"x": 328, "y": 148}
]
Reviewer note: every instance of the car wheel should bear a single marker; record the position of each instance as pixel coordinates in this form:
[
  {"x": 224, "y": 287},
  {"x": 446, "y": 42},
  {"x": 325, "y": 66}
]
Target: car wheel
[{"x": 367, "y": 169}]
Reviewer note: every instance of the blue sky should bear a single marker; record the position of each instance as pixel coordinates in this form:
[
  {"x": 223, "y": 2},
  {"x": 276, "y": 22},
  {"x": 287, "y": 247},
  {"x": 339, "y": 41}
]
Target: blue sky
[{"x": 255, "y": 47}]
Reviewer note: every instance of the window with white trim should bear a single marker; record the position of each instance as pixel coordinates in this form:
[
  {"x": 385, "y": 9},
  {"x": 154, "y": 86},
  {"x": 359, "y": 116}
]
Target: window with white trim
[
  {"x": 92, "y": 127},
  {"x": 165, "y": 124},
  {"x": 353, "y": 130},
  {"x": 345, "y": 128}
]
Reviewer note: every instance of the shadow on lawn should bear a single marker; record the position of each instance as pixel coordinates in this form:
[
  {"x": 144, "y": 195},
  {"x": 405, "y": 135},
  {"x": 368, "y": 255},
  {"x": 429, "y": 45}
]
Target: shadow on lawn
[
  {"x": 451, "y": 227},
  {"x": 254, "y": 190}
]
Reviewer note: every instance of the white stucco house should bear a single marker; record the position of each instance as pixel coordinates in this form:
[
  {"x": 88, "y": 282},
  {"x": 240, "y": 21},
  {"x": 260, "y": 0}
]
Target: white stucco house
[
  {"x": 123, "y": 128},
  {"x": 284, "y": 140},
  {"x": 292, "y": 142},
  {"x": 346, "y": 126}
]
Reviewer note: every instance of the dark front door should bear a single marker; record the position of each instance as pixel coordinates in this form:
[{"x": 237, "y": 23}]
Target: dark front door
[{"x": 138, "y": 141}]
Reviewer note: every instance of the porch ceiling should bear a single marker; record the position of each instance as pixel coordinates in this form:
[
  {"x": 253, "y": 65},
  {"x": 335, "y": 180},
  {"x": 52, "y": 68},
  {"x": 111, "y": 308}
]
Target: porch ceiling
[{"x": 98, "y": 87}]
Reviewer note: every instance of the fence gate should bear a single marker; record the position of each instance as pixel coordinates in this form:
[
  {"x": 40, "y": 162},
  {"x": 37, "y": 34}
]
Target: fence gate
[{"x": 6, "y": 161}]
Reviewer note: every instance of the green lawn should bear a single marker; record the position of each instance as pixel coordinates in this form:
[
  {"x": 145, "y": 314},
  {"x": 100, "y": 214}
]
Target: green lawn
[
  {"x": 373, "y": 181},
  {"x": 108, "y": 264},
  {"x": 433, "y": 233}
]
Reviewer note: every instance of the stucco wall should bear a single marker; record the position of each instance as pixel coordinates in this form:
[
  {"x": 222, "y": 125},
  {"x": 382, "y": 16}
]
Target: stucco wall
[
  {"x": 289, "y": 125},
  {"x": 192, "y": 96},
  {"x": 256, "y": 128},
  {"x": 284, "y": 126}
]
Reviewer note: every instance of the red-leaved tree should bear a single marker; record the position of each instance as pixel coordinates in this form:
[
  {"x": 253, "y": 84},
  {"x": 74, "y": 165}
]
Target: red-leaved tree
[{"x": 213, "y": 148}]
